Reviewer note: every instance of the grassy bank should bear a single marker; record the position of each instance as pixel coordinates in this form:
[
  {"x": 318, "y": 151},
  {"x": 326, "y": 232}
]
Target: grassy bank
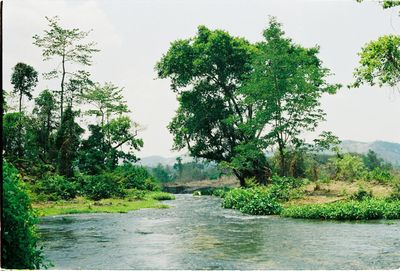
[
  {"x": 112, "y": 205},
  {"x": 315, "y": 200}
]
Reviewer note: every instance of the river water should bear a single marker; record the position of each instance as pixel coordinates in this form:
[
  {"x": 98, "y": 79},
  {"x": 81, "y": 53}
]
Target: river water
[{"x": 196, "y": 233}]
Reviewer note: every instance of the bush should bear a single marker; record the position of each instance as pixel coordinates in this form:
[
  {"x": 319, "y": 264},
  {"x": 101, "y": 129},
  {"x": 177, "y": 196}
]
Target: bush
[
  {"x": 220, "y": 192},
  {"x": 361, "y": 194},
  {"x": 56, "y": 187},
  {"x": 19, "y": 243},
  {"x": 347, "y": 210},
  {"x": 162, "y": 196},
  {"x": 348, "y": 168},
  {"x": 136, "y": 177},
  {"x": 380, "y": 175},
  {"x": 102, "y": 186},
  {"x": 256, "y": 201}
]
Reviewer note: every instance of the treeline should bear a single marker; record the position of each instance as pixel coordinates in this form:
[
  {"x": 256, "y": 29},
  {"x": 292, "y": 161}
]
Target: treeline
[
  {"x": 185, "y": 172},
  {"x": 77, "y": 140}
]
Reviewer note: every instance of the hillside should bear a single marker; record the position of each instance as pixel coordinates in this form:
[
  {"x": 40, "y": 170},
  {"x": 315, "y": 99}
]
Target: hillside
[{"x": 387, "y": 150}]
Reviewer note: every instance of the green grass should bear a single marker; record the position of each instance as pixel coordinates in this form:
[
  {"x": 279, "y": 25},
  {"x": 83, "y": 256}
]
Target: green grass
[
  {"x": 161, "y": 196},
  {"x": 113, "y": 205},
  {"x": 347, "y": 210}
]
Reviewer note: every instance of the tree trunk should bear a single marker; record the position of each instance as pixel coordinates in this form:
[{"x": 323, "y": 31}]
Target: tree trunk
[{"x": 62, "y": 88}]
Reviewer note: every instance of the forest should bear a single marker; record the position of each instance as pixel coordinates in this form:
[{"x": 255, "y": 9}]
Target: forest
[{"x": 243, "y": 109}]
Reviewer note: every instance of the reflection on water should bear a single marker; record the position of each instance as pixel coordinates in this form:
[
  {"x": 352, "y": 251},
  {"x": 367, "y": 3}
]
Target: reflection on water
[{"x": 196, "y": 233}]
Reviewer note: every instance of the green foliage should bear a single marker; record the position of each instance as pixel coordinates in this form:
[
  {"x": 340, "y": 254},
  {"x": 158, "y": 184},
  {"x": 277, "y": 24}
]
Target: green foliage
[
  {"x": 361, "y": 194},
  {"x": 379, "y": 62},
  {"x": 256, "y": 201},
  {"x": 220, "y": 192},
  {"x": 19, "y": 239},
  {"x": 136, "y": 177},
  {"x": 162, "y": 196},
  {"x": 56, "y": 187},
  {"x": 395, "y": 195},
  {"x": 24, "y": 79},
  {"x": 228, "y": 96},
  {"x": 102, "y": 186},
  {"x": 347, "y": 210},
  {"x": 348, "y": 168},
  {"x": 380, "y": 175},
  {"x": 69, "y": 47},
  {"x": 67, "y": 142}
]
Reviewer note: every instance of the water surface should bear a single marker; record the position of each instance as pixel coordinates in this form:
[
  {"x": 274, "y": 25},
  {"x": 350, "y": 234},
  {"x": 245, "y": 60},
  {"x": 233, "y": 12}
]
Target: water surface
[{"x": 196, "y": 233}]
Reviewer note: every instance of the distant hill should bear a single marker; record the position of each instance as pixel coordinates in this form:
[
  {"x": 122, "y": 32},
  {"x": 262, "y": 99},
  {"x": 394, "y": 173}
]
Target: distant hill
[{"x": 389, "y": 151}]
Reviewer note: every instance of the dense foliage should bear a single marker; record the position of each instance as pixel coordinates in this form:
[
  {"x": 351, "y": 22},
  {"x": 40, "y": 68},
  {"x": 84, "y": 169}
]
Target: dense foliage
[
  {"x": 233, "y": 105},
  {"x": 348, "y": 210},
  {"x": 19, "y": 243}
]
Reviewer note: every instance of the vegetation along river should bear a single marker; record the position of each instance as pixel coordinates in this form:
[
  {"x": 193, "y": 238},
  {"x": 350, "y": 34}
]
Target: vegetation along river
[{"x": 196, "y": 233}]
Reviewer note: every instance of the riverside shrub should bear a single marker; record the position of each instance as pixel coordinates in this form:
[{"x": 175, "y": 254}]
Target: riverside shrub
[
  {"x": 102, "y": 186},
  {"x": 56, "y": 187},
  {"x": 347, "y": 210},
  {"x": 136, "y": 177},
  {"x": 19, "y": 244},
  {"x": 255, "y": 201}
]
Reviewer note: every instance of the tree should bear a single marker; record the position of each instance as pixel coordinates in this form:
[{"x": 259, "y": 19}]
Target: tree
[
  {"x": 24, "y": 78},
  {"x": 230, "y": 92},
  {"x": 287, "y": 83},
  {"x": 45, "y": 106},
  {"x": 380, "y": 60},
  {"x": 67, "y": 143},
  {"x": 107, "y": 100},
  {"x": 68, "y": 46},
  {"x": 117, "y": 133}
]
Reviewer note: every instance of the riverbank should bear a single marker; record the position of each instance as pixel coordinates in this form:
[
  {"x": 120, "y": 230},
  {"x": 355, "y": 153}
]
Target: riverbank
[
  {"x": 112, "y": 205},
  {"x": 336, "y": 200}
]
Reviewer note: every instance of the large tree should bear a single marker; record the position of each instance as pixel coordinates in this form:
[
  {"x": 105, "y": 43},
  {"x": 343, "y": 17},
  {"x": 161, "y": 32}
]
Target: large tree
[
  {"x": 115, "y": 137},
  {"x": 234, "y": 97},
  {"x": 69, "y": 47},
  {"x": 287, "y": 83}
]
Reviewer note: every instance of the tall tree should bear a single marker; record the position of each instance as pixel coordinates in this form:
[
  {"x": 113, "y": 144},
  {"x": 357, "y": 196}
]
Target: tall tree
[
  {"x": 67, "y": 142},
  {"x": 235, "y": 98},
  {"x": 24, "y": 79},
  {"x": 287, "y": 83},
  {"x": 116, "y": 134},
  {"x": 45, "y": 107},
  {"x": 206, "y": 72},
  {"x": 69, "y": 47}
]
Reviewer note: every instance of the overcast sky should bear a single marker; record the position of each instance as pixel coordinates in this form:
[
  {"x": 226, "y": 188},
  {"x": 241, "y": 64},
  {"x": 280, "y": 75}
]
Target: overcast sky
[{"x": 133, "y": 35}]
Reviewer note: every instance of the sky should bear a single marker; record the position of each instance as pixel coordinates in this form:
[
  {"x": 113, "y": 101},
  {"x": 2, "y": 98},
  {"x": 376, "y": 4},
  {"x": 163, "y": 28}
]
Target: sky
[{"x": 134, "y": 34}]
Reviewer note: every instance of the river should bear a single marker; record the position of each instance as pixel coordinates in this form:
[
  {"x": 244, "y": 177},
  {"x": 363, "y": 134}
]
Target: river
[{"x": 196, "y": 233}]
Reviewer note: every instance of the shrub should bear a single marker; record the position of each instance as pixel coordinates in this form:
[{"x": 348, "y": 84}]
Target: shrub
[
  {"x": 347, "y": 210},
  {"x": 135, "y": 194},
  {"x": 256, "y": 201},
  {"x": 19, "y": 242},
  {"x": 220, "y": 192},
  {"x": 56, "y": 187},
  {"x": 361, "y": 194},
  {"x": 348, "y": 168},
  {"x": 136, "y": 177},
  {"x": 395, "y": 195},
  {"x": 162, "y": 196},
  {"x": 380, "y": 175},
  {"x": 102, "y": 186}
]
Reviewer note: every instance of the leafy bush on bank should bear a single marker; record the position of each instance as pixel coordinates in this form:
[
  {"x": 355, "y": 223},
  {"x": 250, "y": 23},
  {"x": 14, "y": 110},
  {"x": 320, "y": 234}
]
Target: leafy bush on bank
[
  {"x": 19, "y": 242},
  {"x": 347, "y": 210},
  {"x": 136, "y": 177},
  {"x": 56, "y": 187},
  {"x": 102, "y": 186},
  {"x": 255, "y": 201},
  {"x": 162, "y": 196}
]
